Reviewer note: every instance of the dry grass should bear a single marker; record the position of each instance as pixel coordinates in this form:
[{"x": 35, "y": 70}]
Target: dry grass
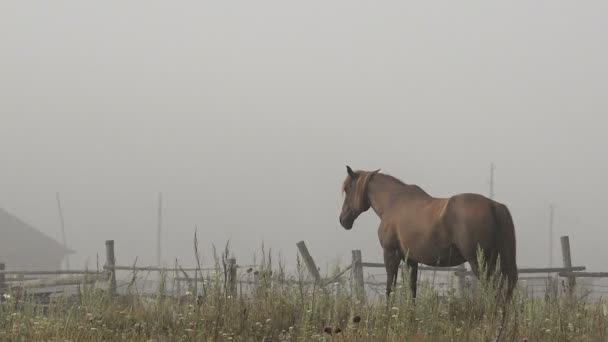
[{"x": 278, "y": 309}]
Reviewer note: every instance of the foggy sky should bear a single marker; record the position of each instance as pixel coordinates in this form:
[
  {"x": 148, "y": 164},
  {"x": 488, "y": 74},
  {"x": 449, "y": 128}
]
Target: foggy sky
[{"x": 244, "y": 115}]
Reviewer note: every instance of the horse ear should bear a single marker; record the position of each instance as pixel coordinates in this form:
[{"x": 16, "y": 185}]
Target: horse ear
[
  {"x": 350, "y": 171},
  {"x": 376, "y": 171}
]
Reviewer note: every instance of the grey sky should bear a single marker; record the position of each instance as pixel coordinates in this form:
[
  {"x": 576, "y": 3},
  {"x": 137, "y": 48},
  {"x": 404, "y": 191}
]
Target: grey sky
[{"x": 244, "y": 114}]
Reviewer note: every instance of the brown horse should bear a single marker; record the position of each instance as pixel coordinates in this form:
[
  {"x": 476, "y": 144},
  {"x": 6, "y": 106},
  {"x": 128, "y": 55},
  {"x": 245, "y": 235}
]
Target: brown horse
[{"x": 433, "y": 231}]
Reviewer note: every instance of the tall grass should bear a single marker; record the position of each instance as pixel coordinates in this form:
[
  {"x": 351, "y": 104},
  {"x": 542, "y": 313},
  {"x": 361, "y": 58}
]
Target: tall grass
[{"x": 281, "y": 307}]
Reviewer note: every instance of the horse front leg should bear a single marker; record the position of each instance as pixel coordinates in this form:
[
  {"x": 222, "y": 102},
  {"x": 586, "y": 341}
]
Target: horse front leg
[{"x": 391, "y": 263}]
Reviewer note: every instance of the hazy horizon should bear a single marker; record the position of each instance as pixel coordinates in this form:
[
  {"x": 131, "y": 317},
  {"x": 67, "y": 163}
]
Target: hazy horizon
[{"x": 244, "y": 116}]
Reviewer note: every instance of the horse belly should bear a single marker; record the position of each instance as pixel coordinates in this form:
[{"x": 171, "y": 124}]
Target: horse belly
[{"x": 445, "y": 257}]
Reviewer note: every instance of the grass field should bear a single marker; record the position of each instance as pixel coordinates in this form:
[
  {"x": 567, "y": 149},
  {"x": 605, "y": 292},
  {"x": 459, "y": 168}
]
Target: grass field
[{"x": 283, "y": 308}]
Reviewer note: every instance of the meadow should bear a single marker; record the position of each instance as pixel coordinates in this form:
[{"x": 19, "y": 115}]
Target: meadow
[{"x": 286, "y": 307}]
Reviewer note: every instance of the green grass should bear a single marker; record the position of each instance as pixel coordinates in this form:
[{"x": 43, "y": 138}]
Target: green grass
[{"x": 282, "y": 308}]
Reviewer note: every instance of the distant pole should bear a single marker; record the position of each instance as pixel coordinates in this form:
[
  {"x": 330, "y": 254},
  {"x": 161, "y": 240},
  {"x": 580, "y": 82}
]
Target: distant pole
[
  {"x": 492, "y": 168},
  {"x": 158, "y": 233},
  {"x": 551, "y": 235},
  {"x": 63, "y": 239}
]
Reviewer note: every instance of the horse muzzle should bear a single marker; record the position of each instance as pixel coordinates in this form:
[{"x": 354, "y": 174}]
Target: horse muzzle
[{"x": 346, "y": 224}]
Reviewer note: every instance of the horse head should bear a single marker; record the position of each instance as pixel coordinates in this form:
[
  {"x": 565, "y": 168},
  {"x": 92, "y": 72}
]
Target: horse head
[{"x": 356, "y": 200}]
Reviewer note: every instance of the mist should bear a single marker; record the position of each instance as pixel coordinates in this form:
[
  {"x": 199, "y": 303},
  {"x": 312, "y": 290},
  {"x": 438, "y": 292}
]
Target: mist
[{"x": 244, "y": 116}]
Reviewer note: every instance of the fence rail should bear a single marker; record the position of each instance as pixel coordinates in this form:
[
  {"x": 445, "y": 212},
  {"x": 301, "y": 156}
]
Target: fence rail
[
  {"x": 538, "y": 270},
  {"x": 67, "y": 281},
  {"x": 420, "y": 268},
  {"x": 59, "y": 272},
  {"x": 584, "y": 274}
]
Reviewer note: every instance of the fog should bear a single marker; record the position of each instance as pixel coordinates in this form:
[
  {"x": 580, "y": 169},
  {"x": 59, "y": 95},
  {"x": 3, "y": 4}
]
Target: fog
[{"x": 244, "y": 115}]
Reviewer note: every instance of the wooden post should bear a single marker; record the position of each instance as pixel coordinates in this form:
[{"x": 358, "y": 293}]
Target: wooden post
[
  {"x": 111, "y": 262},
  {"x": 178, "y": 284},
  {"x": 337, "y": 299},
  {"x": 460, "y": 280},
  {"x": 567, "y": 261},
  {"x": 358, "y": 275},
  {"x": 2, "y": 279},
  {"x": 474, "y": 283},
  {"x": 232, "y": 277},
  {"x": 310, "y": 262}
]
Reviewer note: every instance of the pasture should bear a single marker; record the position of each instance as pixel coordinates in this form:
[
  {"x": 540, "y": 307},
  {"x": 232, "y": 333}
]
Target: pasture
[{"x": 268, "y": 303}]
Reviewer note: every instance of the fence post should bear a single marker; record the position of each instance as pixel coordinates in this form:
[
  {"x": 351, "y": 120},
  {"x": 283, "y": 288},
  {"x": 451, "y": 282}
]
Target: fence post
[
  {"x": 178, "y": 284},
  {"x": 474, "y": 283},
  {"x": 2, "y": 279},
  {"x": 110, "y": 263},
  {"x": 232, "y": 277},
  {"x": 565, "y": 240},
  {"x": 460, "y": 280},
  {"x": 358, "y": 275},
  {"x": 309, "y": 261}
]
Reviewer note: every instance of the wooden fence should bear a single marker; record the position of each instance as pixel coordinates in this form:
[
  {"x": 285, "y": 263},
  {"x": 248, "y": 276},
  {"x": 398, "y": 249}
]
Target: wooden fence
[
  {"x": 107, "y": 274},
  {"x": 459, "y": 272},
  {"x": 355, "y": 271}
]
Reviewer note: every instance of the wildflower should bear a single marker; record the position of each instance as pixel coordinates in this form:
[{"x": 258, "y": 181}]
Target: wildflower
[
  {"x": 338, "y": 330},
  {"x": 327, "y": 330},
  {"x": 525, "y": 339},
  {"x": 356, "y": 319},
  {"x": 249, "y": 270}
]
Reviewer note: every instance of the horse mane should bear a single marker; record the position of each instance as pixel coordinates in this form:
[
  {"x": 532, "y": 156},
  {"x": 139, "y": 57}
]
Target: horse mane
[
  {"x": 364, "y": 177},
  {"x": 410, "y": 187},
  {"x": 396, "y": 180}
]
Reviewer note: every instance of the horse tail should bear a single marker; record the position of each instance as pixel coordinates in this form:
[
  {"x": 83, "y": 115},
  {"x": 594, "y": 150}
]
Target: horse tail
[{"x": 506, "y": 245}]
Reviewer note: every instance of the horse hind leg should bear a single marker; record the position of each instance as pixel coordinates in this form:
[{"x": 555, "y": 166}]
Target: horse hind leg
[{"x": 413, "y": 266}]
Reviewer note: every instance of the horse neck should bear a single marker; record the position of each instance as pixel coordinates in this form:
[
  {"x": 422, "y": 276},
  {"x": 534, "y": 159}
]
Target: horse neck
[{"x": 382, "y": 193}]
